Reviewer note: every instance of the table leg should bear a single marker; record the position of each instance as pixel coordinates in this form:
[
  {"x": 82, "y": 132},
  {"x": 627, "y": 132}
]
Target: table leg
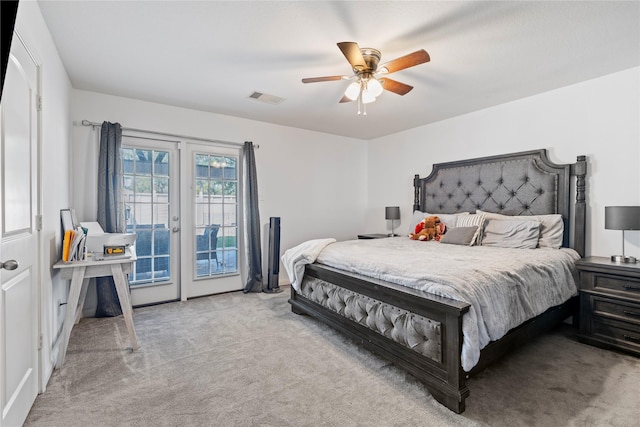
[
  {"x": 72, "y": 303},
  {"x": 125, "y": 303},
  {"x": 83, "y": 296}
]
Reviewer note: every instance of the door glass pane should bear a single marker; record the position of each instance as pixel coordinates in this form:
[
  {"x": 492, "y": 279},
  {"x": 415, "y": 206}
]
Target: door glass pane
[
  {"x": 229, "y": 215},
  {"x": 16, "y": 166},
  {"x": 216, "y": 215},
  {"x": 146, "y": 194},
  {"x": 202, "y": 165},
  {"x": 161, "y": 186},
  {"x": 161, "y": 163},
  {"x": 230, "y": 168}
]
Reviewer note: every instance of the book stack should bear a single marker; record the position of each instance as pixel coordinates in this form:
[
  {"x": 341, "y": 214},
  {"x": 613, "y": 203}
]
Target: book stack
[{"x": 74, "y": 245}]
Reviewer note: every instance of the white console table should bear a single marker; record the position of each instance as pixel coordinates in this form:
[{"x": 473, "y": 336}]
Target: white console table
[{"x": 80, "y": 272}]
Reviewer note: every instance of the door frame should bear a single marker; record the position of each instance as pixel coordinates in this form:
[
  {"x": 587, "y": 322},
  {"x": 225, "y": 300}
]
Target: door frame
[{"x": 186, "y": 149}]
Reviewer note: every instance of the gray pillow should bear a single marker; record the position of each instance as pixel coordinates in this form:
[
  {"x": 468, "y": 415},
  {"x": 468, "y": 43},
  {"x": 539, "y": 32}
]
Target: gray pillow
[
  {"x": 511, "y": 234},
  {"x": 551, "y": 227},
  {"x": 459, "y": 235}
]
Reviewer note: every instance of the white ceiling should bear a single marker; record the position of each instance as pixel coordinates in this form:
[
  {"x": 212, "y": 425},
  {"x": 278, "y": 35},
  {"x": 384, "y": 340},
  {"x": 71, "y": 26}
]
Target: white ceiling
[{"x": 211, "y": 55}]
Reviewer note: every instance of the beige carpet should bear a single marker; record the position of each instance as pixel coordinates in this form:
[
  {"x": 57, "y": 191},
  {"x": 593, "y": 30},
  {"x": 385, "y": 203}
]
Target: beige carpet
[{"x": 246, "y": 360}]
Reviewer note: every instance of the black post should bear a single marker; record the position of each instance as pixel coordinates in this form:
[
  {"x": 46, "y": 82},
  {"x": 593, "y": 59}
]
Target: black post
[{"x": 274, "y": 256}]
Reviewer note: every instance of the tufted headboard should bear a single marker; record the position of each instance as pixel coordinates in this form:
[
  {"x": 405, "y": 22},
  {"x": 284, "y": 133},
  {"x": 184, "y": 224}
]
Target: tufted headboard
[{"x": 524, "y": 183}]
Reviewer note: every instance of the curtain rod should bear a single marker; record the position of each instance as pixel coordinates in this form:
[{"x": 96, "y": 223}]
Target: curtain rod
[{"x": 195, "y": 138}]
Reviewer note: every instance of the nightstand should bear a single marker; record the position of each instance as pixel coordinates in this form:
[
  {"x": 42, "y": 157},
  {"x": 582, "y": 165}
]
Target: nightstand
[
  {"x": 372, "y": 236},
  {"x": 609, "y": 304}
]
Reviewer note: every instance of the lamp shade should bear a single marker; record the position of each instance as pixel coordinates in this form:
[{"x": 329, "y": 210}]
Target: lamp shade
[
  {"x": 622, "y": 217},
  {"x": 353, "y": 91},
  {"x": 392, "y": 212},
  {"x": 374, "y": 87},
  {"x": 367, "y": 97}
]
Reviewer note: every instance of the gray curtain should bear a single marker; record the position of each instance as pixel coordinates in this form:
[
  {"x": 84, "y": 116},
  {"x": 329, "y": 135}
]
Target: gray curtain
[
  {"x": 110, "y": 208},
  {"x": 252, "y": 221}
]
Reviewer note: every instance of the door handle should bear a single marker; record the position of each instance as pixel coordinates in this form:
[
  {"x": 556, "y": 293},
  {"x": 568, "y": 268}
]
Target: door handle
[
  {"x": 11, "y": 264},
  {"x": 175, "y": 229}
]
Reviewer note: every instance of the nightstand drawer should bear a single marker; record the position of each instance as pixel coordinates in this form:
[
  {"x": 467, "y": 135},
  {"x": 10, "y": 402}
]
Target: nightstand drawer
[
  {"x": 624, "y": 311},
  {"x": 622, "y": 334},
  {"x": 605, "y": 282}
]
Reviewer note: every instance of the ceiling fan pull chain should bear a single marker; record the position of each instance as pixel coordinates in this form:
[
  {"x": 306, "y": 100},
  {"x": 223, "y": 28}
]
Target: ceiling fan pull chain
[{"x": 365, "y": 85}]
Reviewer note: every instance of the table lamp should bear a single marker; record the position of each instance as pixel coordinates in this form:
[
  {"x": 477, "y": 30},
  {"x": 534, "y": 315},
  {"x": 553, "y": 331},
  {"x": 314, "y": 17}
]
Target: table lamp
[
  {"x": 392, "y": 213},
  {"x": 622, "y": 218}
]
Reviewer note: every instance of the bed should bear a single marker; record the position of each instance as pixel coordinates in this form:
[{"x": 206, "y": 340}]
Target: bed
[{"x": 421, "y": 330}]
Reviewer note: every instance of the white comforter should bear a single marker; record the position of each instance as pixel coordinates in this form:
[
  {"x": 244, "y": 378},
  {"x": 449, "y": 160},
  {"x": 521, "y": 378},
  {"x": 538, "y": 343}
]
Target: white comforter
[
  {"x": 296, "y": 258},
  {"x": 505, "y": 287}
]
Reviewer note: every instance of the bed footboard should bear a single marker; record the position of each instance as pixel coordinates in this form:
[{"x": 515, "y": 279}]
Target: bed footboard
[{"x": 416, "y": 331}]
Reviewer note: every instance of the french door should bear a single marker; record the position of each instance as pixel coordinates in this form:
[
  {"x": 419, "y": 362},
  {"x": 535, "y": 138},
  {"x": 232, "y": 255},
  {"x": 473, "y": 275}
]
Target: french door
[
  {"x": 152, "y": 211},
  {"x": 213, "y": 249},
  {"x": 181, "y": 199}
]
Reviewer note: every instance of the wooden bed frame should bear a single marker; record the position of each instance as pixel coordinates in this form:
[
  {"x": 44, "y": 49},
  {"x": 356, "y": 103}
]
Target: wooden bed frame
[{"x": 525, "y": 183}]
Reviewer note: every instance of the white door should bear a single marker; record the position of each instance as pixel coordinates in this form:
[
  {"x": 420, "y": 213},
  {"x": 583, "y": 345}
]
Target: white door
[
  {"x": 19, "y": 292},
  {"x": 211, "y": 235},
  {"x": 152, "y": 211}
]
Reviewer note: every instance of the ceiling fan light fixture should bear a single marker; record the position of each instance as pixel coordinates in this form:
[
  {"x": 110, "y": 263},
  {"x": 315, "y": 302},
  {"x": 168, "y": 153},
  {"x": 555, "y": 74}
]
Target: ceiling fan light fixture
[
  {"x": 367, "y": 97},
  {"x": 353, "y": 91},
  {"x": 374, "y": 87}
]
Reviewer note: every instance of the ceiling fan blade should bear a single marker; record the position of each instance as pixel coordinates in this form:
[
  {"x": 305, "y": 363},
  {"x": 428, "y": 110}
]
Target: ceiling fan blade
[
  {"x": 345, "y": 99},
  {"x": 395, "y": 86},
  {"x": 352, "y": 52},
  {"x": 324, "y": 79},
  {"x": 418, "y": 57}
]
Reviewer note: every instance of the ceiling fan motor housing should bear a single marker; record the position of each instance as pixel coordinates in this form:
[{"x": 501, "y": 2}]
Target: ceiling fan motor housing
[{"x": 371, "y": 58}]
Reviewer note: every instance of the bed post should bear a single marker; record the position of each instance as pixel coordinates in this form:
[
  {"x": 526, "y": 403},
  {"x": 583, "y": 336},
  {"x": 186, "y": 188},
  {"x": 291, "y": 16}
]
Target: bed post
[
  {"x": 579, "y": 169},
  {"x": 416, "y": 192}
]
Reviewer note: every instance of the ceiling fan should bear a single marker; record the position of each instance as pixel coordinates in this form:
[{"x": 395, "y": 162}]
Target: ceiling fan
[{"x": 371, "y": 80}]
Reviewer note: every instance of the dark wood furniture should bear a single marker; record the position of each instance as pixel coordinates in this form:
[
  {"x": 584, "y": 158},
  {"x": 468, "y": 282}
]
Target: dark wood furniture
[
  {"x": 610, "y": 304},
  {"x": 373, "y": 236},
  {"x": 525, "y": 183}
]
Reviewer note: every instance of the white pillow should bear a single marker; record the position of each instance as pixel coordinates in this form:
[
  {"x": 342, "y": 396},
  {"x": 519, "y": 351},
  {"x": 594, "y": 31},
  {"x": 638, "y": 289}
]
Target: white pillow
[
  {"x": 449, "y": 220},
  {"x": 472, "y": 220},
  {"x": 551, "y": 227},
  {"x": 517, "y": 234},
  {"x": 417, "y": 217}
]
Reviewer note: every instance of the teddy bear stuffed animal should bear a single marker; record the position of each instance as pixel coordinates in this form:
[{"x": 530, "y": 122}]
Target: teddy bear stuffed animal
[{"x": 430, "y": 228}]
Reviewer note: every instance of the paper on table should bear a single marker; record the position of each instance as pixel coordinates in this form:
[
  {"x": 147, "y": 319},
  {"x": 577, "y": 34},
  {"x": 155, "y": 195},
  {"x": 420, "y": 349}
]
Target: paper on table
[{"x": 92, "y": 227}]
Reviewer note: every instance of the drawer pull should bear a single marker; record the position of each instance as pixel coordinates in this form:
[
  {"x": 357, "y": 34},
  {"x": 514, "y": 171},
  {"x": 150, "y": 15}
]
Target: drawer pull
[
  {"x": 631, "y": 313},
  {"x": 631, "y": 338},
  {"x": 632, "y": 288}
]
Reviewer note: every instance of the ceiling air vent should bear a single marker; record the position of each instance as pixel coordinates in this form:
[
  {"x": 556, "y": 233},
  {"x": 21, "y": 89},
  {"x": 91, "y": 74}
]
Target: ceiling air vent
[{"x": 265, "y": 97}]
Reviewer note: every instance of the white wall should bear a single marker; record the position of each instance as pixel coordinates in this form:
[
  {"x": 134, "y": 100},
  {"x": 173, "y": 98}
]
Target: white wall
[
  {"x": 599, "y": 118},
  {"x": 55, "y": 142},
  {"x": 315, "y": 182}
]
